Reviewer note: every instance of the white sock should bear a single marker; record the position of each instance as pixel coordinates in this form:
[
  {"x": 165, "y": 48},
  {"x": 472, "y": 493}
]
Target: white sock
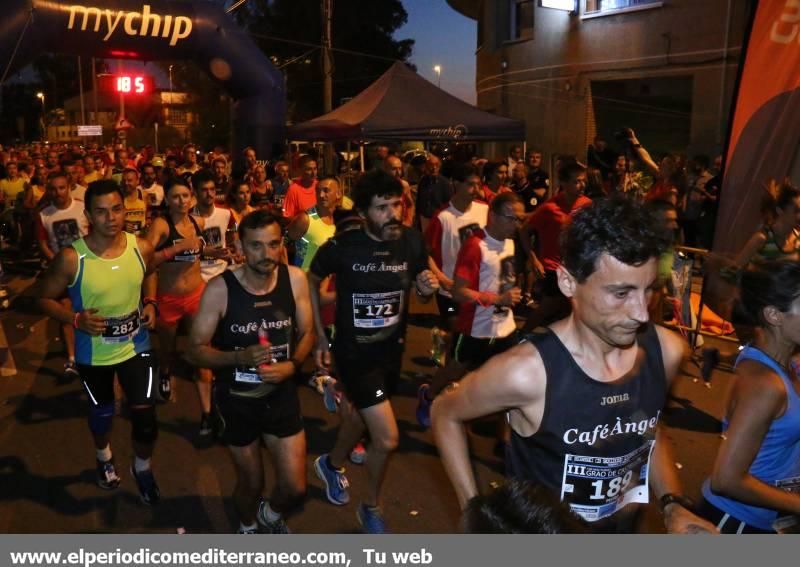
[
  {"x": 244, "y": 528},
  {"x": 141, "y": 465},
  {"x": 104, "y": 454},
  {"x": 272, "y": 515}
]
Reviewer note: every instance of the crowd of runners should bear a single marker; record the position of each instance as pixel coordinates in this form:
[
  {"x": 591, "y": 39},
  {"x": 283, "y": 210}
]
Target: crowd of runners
[{"x": 546, "y": 291}]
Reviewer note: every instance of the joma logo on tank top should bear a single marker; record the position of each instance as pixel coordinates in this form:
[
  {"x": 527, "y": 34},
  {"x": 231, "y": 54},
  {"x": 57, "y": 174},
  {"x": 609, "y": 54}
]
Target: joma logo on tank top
[{"x": 610, "y": 400}]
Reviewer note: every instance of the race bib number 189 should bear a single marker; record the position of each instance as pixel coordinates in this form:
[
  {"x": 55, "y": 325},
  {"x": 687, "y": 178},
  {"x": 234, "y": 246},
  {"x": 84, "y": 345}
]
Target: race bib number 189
[
  {"x": 596, "y": 487},
  {"x": 377, "y": 310}
]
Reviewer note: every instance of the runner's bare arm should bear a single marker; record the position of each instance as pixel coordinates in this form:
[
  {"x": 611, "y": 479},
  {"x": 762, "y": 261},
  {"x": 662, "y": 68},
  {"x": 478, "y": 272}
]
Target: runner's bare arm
[
  {"x": 322, "y": 353},
  {"x": 512, "y": 380},
  {"x": 52, "y": 286},
  {"x": 298, "y": 226},
  {"x": 444, "y": 281},
  {"x": 212, "y": 308},
  {"x": 285, "y": 370},
  {"x": 664, "y": 476},
  {"x": 156, "y": 234},
  {"x": 150, "y": 283},
  {"x": 758, "y": 398},
  {"x": 54, "y": 282},
  {"x": 753, "y": 245}
]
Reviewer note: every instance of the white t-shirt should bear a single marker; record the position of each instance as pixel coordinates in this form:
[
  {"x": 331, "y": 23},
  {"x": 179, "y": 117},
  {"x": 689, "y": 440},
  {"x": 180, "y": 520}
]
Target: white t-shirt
[
  {"x": 217, "y": 224},
  {"x": 155, "y": 195},
  {"x": 448, "y": 229},
  {"x": 63, "y": 226},
  {"x": 486, "y": 264}
]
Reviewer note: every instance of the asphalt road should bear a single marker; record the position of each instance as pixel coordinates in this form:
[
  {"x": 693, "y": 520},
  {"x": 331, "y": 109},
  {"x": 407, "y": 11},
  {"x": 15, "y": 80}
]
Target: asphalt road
[{"x": 47, "y": 482}]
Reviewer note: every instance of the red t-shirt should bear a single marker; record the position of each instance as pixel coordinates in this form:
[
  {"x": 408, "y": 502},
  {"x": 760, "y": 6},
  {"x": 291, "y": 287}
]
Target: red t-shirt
[
  {"x": 548, "y": 221},
  {"x": 299, "y": 199}
]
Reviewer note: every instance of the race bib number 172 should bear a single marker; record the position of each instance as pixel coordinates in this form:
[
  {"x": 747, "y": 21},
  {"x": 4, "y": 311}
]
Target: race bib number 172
[
  {"x": 597, "y": 487},
  {"x": 377, "y": 310}
]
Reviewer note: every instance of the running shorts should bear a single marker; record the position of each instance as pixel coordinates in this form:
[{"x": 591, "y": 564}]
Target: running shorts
[
  {"x": 245, "y": 419},
  {"x": 138, "y": 377},
  {"x": 173, "y": 308},
  {"x": 369, "y": 377}
]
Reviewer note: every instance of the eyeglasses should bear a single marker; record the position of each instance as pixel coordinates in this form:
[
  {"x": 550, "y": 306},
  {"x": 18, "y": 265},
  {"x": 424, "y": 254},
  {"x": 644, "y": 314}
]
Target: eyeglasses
[{"x": 513, "y": 218}]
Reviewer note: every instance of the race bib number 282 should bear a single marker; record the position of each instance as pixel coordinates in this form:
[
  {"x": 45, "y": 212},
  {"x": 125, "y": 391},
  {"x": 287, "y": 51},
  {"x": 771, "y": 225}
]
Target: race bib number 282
[{"x": 597, "y": 487}]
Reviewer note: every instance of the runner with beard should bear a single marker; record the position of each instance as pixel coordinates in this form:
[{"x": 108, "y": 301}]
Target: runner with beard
[
  {"x": 584, "y": 397},
  {"x": 254, "y": 328},
  {"x": 375, "y": 267}
]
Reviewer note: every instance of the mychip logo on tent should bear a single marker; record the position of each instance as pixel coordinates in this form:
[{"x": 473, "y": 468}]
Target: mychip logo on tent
[
  {"x": 454, "y": 132},
  {"x": 143, "y": 23}
]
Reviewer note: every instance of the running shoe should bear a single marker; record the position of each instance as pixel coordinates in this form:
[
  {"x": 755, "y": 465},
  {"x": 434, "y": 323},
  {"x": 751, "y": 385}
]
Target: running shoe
[
  {"x": 206, "y": 428},
  {"x": 371, "y": 519},
  {"x": 336, "y": 483},
  {"x": 250, "y": 531},
  {"x": 146, "y": 483},
  {"x": 424, "y": 406},
  {"x": 331, "y": 397},
  {"x": 70, "y": 372},
  {"x": 359, "y": 454},
  {"x": 107, "y": 477},
  {"x": 271, "y": 527}
]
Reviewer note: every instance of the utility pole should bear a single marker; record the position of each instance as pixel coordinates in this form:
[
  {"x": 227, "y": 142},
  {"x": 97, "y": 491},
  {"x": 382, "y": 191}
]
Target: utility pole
[
  {"x": 80, "y": 89},
  {"x": 94, "y": 97},
  {"x": 327, "y": 74}
]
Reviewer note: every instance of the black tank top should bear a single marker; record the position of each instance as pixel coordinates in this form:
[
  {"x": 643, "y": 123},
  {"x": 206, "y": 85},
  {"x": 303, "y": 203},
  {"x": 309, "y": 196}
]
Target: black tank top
[
  {"x": 245, "y": 314},
  {"x": 594, "y": 443},
  {"x": 174, "y": 237}
]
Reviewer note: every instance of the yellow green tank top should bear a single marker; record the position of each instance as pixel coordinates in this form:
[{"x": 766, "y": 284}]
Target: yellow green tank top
[
  {"x": 318, "y": 233},
  {"x": 135, "y": 213},
  {"x": 113, "y": 286}
]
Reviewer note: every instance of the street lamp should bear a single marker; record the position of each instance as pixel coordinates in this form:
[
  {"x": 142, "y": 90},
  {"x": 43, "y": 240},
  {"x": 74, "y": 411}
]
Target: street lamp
[
  {"x": 40, "y": 96},
  {"x": 438, "y": 70}
]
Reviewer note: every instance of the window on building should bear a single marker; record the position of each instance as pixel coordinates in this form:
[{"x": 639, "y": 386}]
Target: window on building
[
  {"x": 177, "y": 116},
  {"x": 520, "y": 19},
  {"x": 595, "y": 6}
]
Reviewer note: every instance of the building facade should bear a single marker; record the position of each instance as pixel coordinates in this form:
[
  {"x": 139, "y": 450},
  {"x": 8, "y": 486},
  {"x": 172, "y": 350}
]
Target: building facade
[{"x": 573, "y": 69}]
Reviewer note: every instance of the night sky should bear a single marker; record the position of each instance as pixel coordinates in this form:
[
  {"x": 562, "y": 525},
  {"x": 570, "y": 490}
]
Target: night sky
[{"x": 445, "y": 37}]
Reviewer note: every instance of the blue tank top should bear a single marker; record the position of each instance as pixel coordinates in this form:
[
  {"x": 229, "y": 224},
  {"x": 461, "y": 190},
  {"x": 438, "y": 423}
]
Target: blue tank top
[{"x": 778, "y": 460}]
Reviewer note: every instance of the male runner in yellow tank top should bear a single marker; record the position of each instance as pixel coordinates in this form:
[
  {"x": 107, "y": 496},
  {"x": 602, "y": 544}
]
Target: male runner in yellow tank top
[{"x": 112, "y": 294}]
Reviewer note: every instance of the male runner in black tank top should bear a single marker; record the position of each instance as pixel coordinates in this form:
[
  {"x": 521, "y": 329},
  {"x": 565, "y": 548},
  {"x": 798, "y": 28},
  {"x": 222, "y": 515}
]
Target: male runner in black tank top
[
  {"x": 263, "y": 301},
  {"x": 584, "y": 398}
]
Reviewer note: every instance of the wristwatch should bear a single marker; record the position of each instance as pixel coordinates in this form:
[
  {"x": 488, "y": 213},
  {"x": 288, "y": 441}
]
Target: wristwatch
[{"x": 671, "y": 498}]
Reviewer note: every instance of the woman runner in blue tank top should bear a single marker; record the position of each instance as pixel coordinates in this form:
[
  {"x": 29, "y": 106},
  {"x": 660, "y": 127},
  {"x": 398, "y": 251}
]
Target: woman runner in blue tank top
[{"x": 755, "y": 483}]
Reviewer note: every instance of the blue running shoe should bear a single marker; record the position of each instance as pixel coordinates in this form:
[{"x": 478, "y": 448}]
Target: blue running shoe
[
  {"x": 423, "y": 406},
  {"x": 371, "y": 519},
  {"x": 336, "y": 484},
  {"x": 146, "y": 483}
]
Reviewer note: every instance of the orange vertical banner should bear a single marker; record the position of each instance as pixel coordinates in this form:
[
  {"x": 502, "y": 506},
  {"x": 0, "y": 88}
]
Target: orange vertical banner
[{"x": 765, "y": 130}]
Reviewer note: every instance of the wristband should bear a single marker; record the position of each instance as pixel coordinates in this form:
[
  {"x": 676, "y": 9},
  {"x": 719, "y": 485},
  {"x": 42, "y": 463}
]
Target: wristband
[
  {"x": 150, "y": 301},
  {"x": 75, "y": 319},
  {"x": 671, "y": 498}
]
